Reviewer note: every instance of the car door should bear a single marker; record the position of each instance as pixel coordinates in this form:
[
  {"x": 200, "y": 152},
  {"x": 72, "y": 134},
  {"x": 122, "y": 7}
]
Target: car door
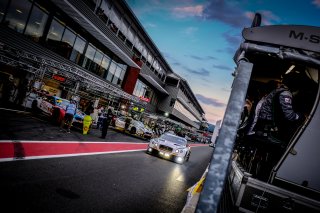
[{"x": 46, "y": 104}]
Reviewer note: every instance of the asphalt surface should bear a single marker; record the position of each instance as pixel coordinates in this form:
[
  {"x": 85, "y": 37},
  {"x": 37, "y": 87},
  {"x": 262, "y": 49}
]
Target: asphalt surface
[
  {"x": 123, "y": 182},
  {"x": 104, "y": 182},
  {"x": 23, "y": 125}
]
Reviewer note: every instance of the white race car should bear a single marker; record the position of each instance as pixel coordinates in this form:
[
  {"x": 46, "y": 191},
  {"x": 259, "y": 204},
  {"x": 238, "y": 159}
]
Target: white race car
[
  {"x": 138, "y": 128},
  {"x": 120, "y": 122},
  {"x": 170, "y": 146}
]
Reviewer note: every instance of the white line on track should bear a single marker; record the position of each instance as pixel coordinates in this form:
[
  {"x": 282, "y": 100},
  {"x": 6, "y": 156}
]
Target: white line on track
[
  {"x": 65, "y": 155},
  {"x": 84, "y": 142}
]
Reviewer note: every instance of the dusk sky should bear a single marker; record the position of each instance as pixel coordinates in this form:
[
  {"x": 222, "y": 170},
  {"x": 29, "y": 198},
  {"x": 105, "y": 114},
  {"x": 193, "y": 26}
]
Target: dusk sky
[{"x": 198, "y": 38}]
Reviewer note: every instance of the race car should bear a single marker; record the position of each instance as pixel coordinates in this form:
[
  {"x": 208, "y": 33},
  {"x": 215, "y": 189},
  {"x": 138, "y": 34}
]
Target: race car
[
  {"x": 55, "y": 108},
  {"x": 138, "y": 128},
  {"x": 171, "y": 147},
  {"x": 78, "y": 118},
  {"x": 52, "y": 106}
]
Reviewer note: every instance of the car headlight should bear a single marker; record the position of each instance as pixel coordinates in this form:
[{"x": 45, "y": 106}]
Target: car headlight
[
  {"x": 179, "y": 150},
  {"x": 154, "y": 143}
]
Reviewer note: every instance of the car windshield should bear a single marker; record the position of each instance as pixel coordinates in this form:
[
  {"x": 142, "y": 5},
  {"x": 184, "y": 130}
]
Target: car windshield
[
  {"x": 174, "y": 139},
  {"x": 139, "y": 124}
]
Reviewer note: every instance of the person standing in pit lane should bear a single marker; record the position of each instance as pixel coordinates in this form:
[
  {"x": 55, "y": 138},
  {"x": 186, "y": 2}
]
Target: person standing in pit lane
[
  {"x": 106, "y": 123},
  {"x": 71, "y": 110}
]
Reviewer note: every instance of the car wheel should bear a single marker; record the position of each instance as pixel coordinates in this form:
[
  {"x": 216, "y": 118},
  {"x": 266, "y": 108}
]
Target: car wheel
[
  {"x": 34, "y": 107},
  {"x": 55, "y": 116},
  {"x": 187, "y": 157},
  {"x": 133, "y": 130}
]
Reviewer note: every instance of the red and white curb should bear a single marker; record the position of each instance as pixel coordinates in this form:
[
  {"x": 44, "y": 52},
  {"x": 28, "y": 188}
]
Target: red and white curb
[{"x": 26, "y": 150}]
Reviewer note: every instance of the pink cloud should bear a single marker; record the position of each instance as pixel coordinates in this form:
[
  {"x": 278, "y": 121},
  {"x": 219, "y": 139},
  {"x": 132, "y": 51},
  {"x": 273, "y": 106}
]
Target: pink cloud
[
  {"x": 188, "y": 11},
  {"x": 316, "y": 2},
  {"x": 213, "y": 114}
]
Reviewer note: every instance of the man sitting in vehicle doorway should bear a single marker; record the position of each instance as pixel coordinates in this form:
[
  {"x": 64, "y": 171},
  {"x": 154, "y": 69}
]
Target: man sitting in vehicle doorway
[
  {"x": 245, "y": 134},
  {"x": 277, "y": 122}
]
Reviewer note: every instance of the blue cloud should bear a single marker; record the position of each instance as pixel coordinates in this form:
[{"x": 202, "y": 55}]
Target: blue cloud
[
  {"x": 233, "y": 40},
  {"x": 176, "y": 63},
  {"x": 204, "y": 58},
  {"x": 201, "y": 72},
  {"x": 226, "y": 12},
  {"x": 222, "y": 67}
]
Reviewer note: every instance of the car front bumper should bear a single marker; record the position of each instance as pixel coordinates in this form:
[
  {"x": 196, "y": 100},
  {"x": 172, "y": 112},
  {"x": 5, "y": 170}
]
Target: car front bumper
[{"x": 166, "y": 155}]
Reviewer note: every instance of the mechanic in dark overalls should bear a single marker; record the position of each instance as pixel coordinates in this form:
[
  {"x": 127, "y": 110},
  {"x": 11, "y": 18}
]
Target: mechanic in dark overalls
[
  {"x": 277, "y": 122},
  {"x": 105, "y": 123}
]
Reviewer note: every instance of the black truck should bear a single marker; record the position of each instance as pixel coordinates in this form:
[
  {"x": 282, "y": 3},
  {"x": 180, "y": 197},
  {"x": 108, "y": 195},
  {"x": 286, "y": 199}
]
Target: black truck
[{"x": 293, "y": 184}]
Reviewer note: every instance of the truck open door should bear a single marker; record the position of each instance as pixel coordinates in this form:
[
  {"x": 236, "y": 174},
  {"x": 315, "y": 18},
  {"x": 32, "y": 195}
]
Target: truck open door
[{"x": 293, "y": 185}]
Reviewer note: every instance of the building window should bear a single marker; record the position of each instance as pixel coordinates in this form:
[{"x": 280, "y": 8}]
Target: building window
[
  {"x": 17, "y": 14},
  {"x": 172, "y": 102},
  {"x": 56, "y": 30},
  {"x": 116, "y": 72},
  {"x": 104, "y": 64},
  {"x": 120, "y": 80},
  {"x": 36, "y": 23},
  {"x": 163, "y": 78},
  {"x": 104, "y": 10},
  {"x": 138, "y": 45},
  {"x": 115, "y": 17},
  {"x": 95, "y": 67},
  {"x": 172, "y": 81},
  {"x": 67, "y": 43},
  {"x": 88, "y": 59},
  {"x": 131, "y": 35},
  {"x": 138, "y": 89},
  {"x": 123, "y": 68},
  {"x": 3, "y": 7},
  {"x": 124, "y": 27},
  {"x": 150, "y": 59},
  {"x": 116, "y": 75},
  {"x": 142, "y": 90},
  {"x": 78, "y": 49},
  {"x": 111, "y": 71},
  {"x": 54, "y": 35}
]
